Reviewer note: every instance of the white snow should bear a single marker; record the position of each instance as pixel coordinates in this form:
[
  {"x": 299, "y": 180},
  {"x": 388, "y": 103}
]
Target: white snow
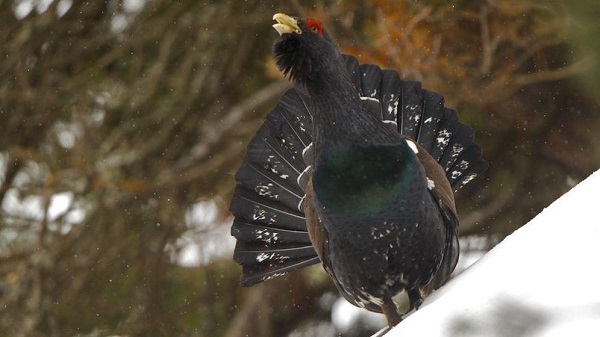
[
  {"x": 345, "y": 317},
  {"x": 541, "y": 281}
]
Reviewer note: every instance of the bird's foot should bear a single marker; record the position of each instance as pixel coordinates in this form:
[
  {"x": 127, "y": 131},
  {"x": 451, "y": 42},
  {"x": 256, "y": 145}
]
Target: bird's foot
[
  {"x": 415, "y": 299},
  {"x": 390, "y": 310}
]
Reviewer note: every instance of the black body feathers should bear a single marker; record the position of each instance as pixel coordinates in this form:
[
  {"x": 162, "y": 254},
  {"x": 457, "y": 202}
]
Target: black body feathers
[{"x": 268, "y": 203}]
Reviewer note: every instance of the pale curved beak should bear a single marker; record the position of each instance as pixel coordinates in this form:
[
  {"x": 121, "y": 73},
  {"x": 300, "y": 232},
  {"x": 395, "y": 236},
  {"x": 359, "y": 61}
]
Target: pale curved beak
[{"x": 286, "y": 24}]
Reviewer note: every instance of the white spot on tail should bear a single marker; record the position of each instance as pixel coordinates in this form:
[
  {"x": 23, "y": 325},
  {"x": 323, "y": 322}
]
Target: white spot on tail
[
  {"x": 443, "y": 137},
  {"x": 265, "y": 191},
  {"x": 273, "y": 276},
  {"x": 393, "y": 106},
  {"x": 259, "y": 214},
  {"x": 266, "y": 236},
  {"x": 263, "y": 256},
  {"x": 456, "y": 150},
  {"x": 456, "y": 174},
  {"x": 271, "y": 256},
  {"x": 363, "y": 98},
  {"x": 413, "y": 108},
  {"x": 467, "y": 179}
]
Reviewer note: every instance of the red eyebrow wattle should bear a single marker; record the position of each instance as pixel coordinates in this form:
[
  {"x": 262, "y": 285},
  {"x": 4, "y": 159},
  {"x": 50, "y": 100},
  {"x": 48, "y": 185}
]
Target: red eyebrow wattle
[{"x": 310, "y": 23}]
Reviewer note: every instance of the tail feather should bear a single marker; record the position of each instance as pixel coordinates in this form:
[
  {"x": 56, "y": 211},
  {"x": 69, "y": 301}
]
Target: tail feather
[
  {"x": 458, "y": 142},
  {"x": 296, "y": 114},
  {"x": 370, "y": 84},
  {"x": 433, "y": 105},
  {"x": 248, "y": 231},
  {"x": 252, "y": 253},
  {"x": 411, "y": 109},
  {"x": 447, "y": 127},
  {"x": 391, "y": 84},
  {"x": 256, "y": 273}
]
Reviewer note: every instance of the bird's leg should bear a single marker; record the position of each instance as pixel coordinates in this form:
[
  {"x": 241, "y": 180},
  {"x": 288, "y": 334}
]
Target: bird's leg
[
  {"x": 390, "y": 310},
  {"x": 414, "y": 298}
]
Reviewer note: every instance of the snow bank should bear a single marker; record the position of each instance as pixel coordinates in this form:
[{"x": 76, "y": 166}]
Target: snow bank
[{"x": 541, "y": 281}]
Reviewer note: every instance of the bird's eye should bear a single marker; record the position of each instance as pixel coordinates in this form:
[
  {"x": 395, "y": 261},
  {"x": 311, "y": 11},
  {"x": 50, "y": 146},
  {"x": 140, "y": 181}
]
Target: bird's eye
[{"x": 314, "y": 26}]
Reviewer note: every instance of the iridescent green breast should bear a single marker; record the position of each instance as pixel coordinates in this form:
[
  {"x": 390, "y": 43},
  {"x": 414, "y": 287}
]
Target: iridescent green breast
[{"x": 359, "y": 180}]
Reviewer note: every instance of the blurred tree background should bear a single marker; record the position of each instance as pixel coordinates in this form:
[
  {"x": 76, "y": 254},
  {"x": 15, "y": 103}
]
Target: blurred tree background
[{"x": 123, "y": 122}]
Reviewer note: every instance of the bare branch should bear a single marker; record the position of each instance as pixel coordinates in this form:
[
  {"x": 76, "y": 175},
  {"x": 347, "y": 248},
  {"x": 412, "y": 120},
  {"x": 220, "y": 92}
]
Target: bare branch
[
  {"x": 213, "y": 133},
  {"x": 552, "y": 75},
  {"x": 15, "y": 257}
]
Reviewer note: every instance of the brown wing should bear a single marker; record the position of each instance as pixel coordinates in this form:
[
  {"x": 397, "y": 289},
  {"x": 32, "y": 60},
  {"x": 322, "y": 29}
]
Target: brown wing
[
  {"x": 442, "y": 189},
  {"x": 316, "y": 231},
  {"x": 444, "y": 195}
]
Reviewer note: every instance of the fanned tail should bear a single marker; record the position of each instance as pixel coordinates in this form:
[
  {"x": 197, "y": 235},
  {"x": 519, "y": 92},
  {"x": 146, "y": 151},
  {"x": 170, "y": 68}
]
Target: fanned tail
[
  {"x": 421, "y": 115},
  {"x": 269, "y": 224}
]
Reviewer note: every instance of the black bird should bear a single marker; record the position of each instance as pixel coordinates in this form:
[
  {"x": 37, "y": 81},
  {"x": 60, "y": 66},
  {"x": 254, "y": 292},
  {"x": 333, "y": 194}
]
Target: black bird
[{"x": 354, "y": 168}]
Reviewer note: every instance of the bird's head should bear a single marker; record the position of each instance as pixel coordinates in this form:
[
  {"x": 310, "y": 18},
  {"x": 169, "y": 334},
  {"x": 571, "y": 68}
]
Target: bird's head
[{"x": 304, "y": 49}]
